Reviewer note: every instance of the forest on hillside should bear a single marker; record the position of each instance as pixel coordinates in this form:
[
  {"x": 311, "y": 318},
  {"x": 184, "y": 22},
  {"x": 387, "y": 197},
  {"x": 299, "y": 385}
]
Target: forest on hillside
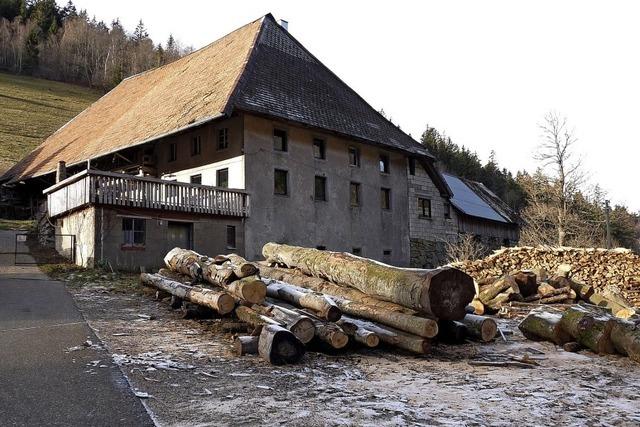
[
  {"x": 39, "y": 38},
  {"x": 557, "y": 204}
]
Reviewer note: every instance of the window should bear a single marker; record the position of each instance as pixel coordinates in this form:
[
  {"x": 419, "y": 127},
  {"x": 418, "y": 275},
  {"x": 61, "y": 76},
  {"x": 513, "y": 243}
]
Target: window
[
  {"x": 386, "y": 252},
  {"x": 447, "y": 210},
  {"x": 231, "y": 236},
  {"x": 320, "y": 192},
  {"x": 279, "y": 140},
  {"x": 173, "y": 152},
  {"x": 223, "y": 138},
  {"x": 354, "y": 157},
  {"x": 354, "y": 194},
  {"x": 222, "y": 178},
  {"x": 385, "y": 198},
  {"x": 384, "y": 163},
  {"x": 506, "y": 243},
  {"x": 412, "y": 166},
  {"x": 321, "y": 248},
  {"x": 424, "y": 207},
  {"x": 318, "y": 148},
  {"x": 356, "y": 251},
  {"x": 196, "y": 179},
  {"x": 133, "y": 230},
  {"x": 196, "y": 145},
  {"x": 280, "y": 178}
]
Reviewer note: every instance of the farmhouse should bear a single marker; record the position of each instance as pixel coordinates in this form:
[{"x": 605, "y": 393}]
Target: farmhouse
[{"x": 247, "y": 140}]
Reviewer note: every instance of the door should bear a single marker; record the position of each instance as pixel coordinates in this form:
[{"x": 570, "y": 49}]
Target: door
[{"x": 180, "y": 235}]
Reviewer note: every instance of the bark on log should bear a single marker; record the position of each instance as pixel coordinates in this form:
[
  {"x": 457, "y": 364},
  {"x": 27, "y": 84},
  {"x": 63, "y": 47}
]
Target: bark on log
[
  {"x": 526, "y": 281},
  {"x": 246, "y": 345},
  {"x": 478, "y": 306},
  {"x": 303, "y": 298},
  {"x": 359, "y": 334},
  {"x": 302, "y": 326},
  {"x": 626, "y": 339},
  {"x": 618, "y": 310},
  {"x": 481, "y": 327},
  {"x": 554, "y": 292},
  {"x": 279, "y": 346},
  {"x": 396, "y": 338},
  {"x": 592, "y": 330},
  {"x": 250, "y": 289},
  {"x": 252, "y": 317},
  {"x": 241, "y": 267},
  {"x": 175, "y": 276},
  {"x": 295, "y": 277},
  {"x": 331, "y": 334},
  {"x": 452, "y": 332},
  {"x": 219, "y": 301},
  {"x": 489, "y": 292},
  {"x": 443, "y": 293},
  {"x": 185, "y": 261},
  {"x": 544, "y": 326}
]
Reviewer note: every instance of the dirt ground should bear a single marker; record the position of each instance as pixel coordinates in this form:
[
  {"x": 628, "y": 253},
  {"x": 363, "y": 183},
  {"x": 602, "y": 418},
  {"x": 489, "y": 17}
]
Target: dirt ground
[{"x": 191, "y": 377}]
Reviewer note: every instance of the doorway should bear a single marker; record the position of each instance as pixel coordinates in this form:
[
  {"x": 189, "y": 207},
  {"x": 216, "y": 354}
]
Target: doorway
[{"x": 180, "y": 234}]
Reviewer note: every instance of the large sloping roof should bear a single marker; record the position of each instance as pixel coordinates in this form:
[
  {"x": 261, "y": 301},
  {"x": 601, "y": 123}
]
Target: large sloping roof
[
  {"x": 258, "y": 68},
  {"x": 469, "y": 198}
]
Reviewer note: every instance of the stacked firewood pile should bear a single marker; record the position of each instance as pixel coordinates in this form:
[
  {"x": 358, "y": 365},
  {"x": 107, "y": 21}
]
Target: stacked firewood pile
[
  {"x": 584, "y": 326},
  {"x": 301, "y": 298},
  {"x": 615, "y": 271},
  {"x": 524, "y": 288}
]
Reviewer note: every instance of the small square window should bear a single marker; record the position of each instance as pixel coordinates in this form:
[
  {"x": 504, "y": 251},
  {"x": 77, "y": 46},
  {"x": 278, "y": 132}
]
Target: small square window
[
  {"x": 354, "y": 194},
  {"x": 384, "y": 163},
  {"x": 133, "y": 230},
  {"x": 222, "y": 178},
  {"x": 412, "y": 166},
  {"x": 447, "y": 210},
  {"x": 196, "y": 179},
  {"x": 318, "y": 148},
  {"x": 424, "y": 207},
  {"x": 385, "y": 198},
  {"x": 280, "y": 185},
  {"x": 354, "y": 157},
  {"x": 386, "y": 252},
  {"x": 321, "y": 248},
  {"x": 173, "y": 152},
  {"x": 231, "y": 236},
  {"x": 223, "y": 138},
  {"x": 356, "y": 251},
  {"x": 279, "y": 140},
  {"x": 196, "y": 145},
  {"x": 320, "y": 192}
]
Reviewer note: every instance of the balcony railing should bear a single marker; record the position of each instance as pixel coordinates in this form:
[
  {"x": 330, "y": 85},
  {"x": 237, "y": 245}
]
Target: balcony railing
[{"x": 108, "y": 188}]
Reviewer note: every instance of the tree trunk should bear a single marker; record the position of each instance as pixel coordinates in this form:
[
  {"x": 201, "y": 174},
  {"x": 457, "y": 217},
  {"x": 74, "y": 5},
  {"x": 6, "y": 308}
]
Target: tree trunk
[
  {"x": 491, "y": 291},
  {"x": 478, "y": 306},
  {"x": 396, "y": 338},
  {"x": 252, "y": 317},
  {"x": 185, "y": 261},
  {"x": 241, "y": 267},
  {"x": 175, "y": 276},
  {"x": 544, "y": 326},
  {"x": 590, "y": 329},
  {"x": 295, "y": 277},
  {"x": 246, "y": 345},
  {"x": 559, "y": 291},
  {"x": 617, "y": 309},
  {"x": 302, "y": 326},
  {"x": 331, "y": 334},
  {"x": 279, "y": 346},
  {"x": 626, "y": 339},
  {"x": 443, "y": 293},
  {"x": 359, "y": 334},
  {"x": 221, "y": 302},
  {"x": 452, "y": 332},
  {"x": 250, "y": 289},
  {"x": 527, "y": 283},
  {"x": 483, "y": 328},
  {"x": 303, "y": 298}
]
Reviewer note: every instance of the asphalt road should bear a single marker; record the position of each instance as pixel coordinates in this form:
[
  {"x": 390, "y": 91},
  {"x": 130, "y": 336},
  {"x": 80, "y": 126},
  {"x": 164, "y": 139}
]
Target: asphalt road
[{"x": 41, "y": 382}]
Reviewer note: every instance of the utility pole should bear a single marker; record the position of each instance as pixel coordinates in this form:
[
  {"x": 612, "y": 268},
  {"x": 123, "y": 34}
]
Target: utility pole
[{"x": 607, "y": 210}]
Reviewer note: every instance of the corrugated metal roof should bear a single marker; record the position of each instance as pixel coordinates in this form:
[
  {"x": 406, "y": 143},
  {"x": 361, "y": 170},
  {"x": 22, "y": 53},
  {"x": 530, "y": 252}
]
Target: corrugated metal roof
[{"x": 468, "y": 202}]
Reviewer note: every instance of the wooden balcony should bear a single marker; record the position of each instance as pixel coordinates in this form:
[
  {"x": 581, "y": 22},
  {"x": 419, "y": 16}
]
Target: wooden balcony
[{"x": 116, "y": 189}]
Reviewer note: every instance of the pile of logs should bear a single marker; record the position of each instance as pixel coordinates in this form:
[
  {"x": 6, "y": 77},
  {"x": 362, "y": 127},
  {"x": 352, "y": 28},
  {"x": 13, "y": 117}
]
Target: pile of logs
[
  {"x": 300, "y": 298},
  {"x": 583, "y": 326},
  {"x": 525, "y": 288},
  {"x": 615, "y": 271}
]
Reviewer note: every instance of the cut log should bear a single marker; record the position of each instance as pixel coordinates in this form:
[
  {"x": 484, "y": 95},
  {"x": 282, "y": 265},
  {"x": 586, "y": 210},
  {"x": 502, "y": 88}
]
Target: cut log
[
  {"x": 359, "y": 334},
  {"x": 220, "y": 259},
  {"x": 304, "y": 298},
  {"x": 250, "y": 289},
  {"x": 478, "y": 306},
  {"x": 502, "y": 298},
  {"x": 241, "y": 267},
  {"x": 235, "y": 327},
  {"x": 549, "y": 293},
  {"x": 452, "y": 332},
  {"x": 572, "y": 347},
  {"x": 295, "y": 277},
  {"x": 443, "y": 293},
  {"x": 302, "y": 326},
  {"x": 618, "y": 310},
  {"x": 279, "y": 346},
  {"x": 545, "y": 289},
  {"x": 174, "y": 275},
  {"x": 526, "y": 281},
  {"x": 591, "y": 329},
  {"x": 489, "y": 292},
  {"x": 331, "y": 334},
  {"x": 246, "y": 345},
  {"x": 220, "y": 275},
  {"x": 481, "y": 327},
  {"x": 252, "y": 317},
  {"x": 544, "y": 326},
  {"x": 626, "y": 339},
  {"x": 396, "y": 338},
  {"x": 221, "y": 302},
  {"x": 185, "y": 261}
]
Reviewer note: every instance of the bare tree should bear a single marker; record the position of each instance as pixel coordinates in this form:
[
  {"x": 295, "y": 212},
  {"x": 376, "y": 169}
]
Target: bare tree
[{"x": 464, "y": 248}]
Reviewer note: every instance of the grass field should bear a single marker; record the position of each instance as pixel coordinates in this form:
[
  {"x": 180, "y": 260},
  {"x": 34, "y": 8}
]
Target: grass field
[{"x": 32, "y": 109}]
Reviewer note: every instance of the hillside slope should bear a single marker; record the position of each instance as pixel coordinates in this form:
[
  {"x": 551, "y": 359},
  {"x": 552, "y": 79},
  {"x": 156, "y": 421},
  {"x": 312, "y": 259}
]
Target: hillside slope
[{"x": 31, "y": 109}]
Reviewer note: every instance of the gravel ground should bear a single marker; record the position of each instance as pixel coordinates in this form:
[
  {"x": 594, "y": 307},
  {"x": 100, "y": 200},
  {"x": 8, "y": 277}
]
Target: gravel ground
[{"x": 191, "y": 377}]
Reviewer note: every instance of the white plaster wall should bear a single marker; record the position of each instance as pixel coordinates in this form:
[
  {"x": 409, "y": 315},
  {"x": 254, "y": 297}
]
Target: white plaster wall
[{"x": 208, "y": 172}]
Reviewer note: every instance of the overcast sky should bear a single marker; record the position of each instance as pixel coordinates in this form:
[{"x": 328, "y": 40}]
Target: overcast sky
[{"x": 485, "y": 72}]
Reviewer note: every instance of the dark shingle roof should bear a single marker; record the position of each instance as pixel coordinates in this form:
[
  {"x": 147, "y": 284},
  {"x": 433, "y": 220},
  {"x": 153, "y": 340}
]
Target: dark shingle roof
[{"x": 284, "y": 80}]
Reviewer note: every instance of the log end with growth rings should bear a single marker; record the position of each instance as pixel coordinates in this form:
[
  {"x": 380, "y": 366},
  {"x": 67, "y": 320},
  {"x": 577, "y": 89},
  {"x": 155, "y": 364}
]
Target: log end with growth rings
[{"x": 450, "y": 291}]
